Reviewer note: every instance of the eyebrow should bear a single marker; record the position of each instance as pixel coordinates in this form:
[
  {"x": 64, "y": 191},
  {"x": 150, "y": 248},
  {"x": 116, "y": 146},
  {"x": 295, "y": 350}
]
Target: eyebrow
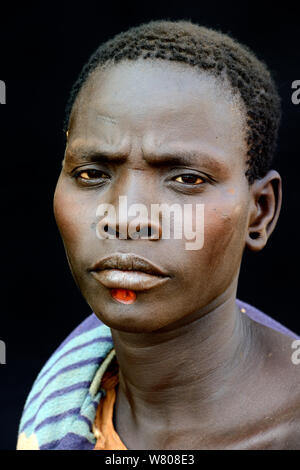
[
  {"x": 185, "y": 157},
  {"x": 155, "y": 159},
  {"x": 95, "y": 154}
]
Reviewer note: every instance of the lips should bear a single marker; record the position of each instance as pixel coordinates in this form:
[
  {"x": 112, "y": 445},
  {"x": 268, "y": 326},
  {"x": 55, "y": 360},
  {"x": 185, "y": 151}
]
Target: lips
[{"x": 128, "y": 271}]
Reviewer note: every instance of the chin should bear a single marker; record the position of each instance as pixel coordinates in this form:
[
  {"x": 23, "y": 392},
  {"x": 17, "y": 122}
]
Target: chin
[{"x": 129, "y": 318}]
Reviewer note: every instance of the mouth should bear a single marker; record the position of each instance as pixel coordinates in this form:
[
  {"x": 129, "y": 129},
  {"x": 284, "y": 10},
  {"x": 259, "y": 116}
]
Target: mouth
[{"x": 128, "y": 271}]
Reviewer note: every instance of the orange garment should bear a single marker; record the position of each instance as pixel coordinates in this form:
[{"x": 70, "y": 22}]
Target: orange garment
[{"x": 103, "y": 427}]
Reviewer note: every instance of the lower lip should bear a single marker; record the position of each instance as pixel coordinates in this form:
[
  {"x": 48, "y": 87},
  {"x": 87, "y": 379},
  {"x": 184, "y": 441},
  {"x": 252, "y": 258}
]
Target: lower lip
[
  {"x": 132, "y": 280},
  {"x": 123, "y": 296}
]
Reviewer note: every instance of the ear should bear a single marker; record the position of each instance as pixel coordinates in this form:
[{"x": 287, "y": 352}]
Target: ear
[{"x": 266, "y": 204}]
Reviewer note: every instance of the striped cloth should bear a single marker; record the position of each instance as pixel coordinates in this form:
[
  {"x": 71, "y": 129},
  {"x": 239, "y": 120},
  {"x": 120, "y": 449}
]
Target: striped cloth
[{"x": 60, "y": 409}]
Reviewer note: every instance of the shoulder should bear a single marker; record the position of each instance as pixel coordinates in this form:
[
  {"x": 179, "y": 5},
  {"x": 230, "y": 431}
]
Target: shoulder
[
  {"x": 281, "y": 376},
  {"x": 277, "y": 391},
  {"x": 280, "y": 354},
  {"x": 60, "y": 399},
  {"x": 293, "y": 436},
  {"x": 262, "y": 318},
  {"x": 287, "y": 421}
]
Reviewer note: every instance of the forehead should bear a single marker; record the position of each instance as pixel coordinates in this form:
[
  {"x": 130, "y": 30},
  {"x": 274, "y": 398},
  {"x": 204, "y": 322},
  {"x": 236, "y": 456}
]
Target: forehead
[{"x": 159, "y": 104}]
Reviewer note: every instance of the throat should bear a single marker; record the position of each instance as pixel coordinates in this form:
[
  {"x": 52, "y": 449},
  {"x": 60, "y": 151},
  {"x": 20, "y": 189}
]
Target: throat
[{"x": 184, "y": 376}]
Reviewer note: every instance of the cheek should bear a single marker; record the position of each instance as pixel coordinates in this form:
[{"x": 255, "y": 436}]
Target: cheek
[
  {"x": 71, "y": 216},
  {"x": 225, "y": 223},
  {"x": 225, "y": 231}
]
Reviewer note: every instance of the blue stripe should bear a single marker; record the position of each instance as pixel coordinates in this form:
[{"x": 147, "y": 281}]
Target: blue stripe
[
  {"x": 100, "y": 331},
  {"x": 70, "y": 351},
  {"x": 77, "y": 365},
  {"x": 58, "y": 393},
  {"x": 56, "y": 418},
  {"x": 64, "y": 378},
  {"x": 56, "y": 428},
  {"x": 78, "y": 341}
]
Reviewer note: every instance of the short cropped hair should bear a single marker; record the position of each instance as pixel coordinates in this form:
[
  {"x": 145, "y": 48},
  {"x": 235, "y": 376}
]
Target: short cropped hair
[{"x": 211, "y": 51}]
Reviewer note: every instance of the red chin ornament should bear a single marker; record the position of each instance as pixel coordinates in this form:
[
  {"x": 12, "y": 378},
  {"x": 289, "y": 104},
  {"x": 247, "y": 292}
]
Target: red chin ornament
[{"x": 124, "y": 296}]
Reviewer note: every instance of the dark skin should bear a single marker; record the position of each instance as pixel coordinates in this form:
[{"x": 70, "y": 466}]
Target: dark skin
[{"x": 195, "y": 372}]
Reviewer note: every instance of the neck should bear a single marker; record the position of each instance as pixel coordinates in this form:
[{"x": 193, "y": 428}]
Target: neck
[{"x": 200, "y": 360}]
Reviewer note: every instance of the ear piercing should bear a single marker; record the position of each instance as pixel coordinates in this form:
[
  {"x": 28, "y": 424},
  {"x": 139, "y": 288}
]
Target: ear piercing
[{"x": 254, "y": 235}]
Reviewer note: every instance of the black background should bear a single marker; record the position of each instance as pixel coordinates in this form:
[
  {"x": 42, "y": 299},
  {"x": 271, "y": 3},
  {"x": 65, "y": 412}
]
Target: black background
[{"x": 43, "y": 47}]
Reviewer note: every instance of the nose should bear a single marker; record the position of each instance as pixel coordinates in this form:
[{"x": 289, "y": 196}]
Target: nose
[
  {"x": 130, "y": 216},
  {"x": 124, "y": 228}
]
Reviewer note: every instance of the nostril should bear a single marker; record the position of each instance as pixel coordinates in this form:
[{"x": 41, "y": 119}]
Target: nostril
[
  {"x": 110, "y": 230},
  {"x": 145, "y": 231},
  {"x": 142, "y": 231}
]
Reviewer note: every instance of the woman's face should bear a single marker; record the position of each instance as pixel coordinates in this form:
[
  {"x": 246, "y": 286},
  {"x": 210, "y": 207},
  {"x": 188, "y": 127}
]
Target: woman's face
[{"x": 129, "y": 125}]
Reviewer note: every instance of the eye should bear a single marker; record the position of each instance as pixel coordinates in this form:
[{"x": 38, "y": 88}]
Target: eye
[
  {"x": 91, "y": 175},
  {"x": 190, "y": 179}
]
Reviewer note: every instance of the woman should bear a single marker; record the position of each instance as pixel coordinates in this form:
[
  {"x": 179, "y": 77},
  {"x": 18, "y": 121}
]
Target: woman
[{"x": 176, "y": 114}]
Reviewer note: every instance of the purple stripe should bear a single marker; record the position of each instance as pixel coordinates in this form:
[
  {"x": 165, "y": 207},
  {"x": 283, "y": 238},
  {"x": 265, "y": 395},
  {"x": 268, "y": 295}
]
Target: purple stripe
[
  {"x": 28, "y": 423},
  {"x": 88, "y": 324},
  {"x": 100, "y": 339},
  {"x": 56, "y": 418},
  {"x": 50, "y": 445},
  {"x": 95, "y": 403},
  {"x": 76, "y": 365},
  {"x": 94, "y": 360},
  {"x": 70, "y": 441},
  {"x": 57, "y": 393},
  {"x": 86, "y": 420}
]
